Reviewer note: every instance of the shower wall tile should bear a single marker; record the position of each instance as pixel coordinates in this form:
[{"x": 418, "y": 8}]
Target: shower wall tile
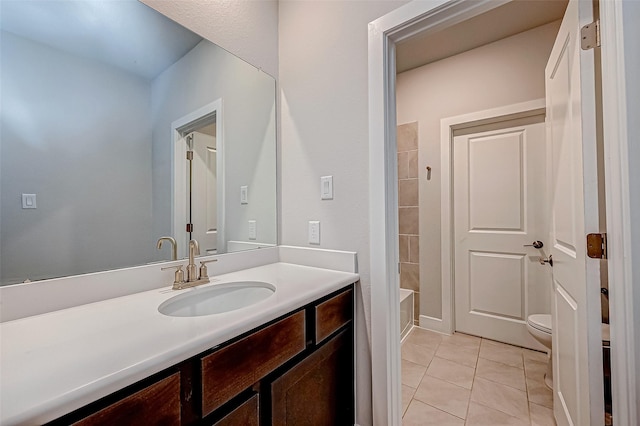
[
  {"x": 404, "y": 248},
  {"x": 408, "y": 217},
  {"x": 414, "y": 249},
  {"x": 407, "y": 137},
  {"x": 408, "y": 193},
  {"x": 410, "y": 276},
  {"x": 412, "y": 164},
  {"x": 403, "y": 165}
]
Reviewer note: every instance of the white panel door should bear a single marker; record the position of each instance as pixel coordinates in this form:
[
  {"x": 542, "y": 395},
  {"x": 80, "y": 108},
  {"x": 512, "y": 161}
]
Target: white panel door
[
  {"x": 204, "y": 202},
  {"x": 499, "y": 186},
  {"x": 571, "y": 135}
]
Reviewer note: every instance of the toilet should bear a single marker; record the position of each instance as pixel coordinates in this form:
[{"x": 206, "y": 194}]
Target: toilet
[{"x": 539, "y": 325}]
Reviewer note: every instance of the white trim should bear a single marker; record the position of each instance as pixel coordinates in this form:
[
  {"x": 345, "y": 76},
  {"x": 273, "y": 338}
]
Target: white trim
[
  {"x": 421, "y": 17},
  {"x": 624, "y": 358},
  {"x": 179, "y": 172},
  {"x": 447, "y": 126},
  {"x": 433, "y": 324}
]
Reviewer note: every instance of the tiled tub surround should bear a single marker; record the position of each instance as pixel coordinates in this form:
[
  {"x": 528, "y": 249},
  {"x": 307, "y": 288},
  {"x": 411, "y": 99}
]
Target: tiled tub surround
[
  {"x": 56, "y": 362},
  {"x": 409, "y": 229},
  {"x": 466, "y": 380}
]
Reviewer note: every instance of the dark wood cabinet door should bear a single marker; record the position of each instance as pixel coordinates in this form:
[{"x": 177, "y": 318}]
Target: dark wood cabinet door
[
  {"x": 247, "y": 414},
  {"x": 158, "y": 404},
  {"x": 319, "y": 390}
]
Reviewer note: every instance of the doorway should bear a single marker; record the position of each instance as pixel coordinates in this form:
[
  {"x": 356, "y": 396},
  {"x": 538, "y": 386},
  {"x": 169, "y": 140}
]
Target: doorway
[
  {"x": 384, "y": 33},
  {"x": 198, "y": 180}
]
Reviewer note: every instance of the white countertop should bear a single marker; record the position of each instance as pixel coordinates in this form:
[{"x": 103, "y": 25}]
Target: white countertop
[{"x": 54, "y": 363}]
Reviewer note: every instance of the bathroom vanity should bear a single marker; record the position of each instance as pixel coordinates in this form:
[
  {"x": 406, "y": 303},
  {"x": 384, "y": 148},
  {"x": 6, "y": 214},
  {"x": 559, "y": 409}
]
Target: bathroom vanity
[{"x": 285, "y": 360}]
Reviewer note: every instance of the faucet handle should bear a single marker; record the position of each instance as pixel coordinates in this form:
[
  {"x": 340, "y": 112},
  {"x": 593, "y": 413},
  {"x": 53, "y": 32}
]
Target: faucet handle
[
  {"x": 203, "y": 268},
  {"x": 179, "y": 275}
]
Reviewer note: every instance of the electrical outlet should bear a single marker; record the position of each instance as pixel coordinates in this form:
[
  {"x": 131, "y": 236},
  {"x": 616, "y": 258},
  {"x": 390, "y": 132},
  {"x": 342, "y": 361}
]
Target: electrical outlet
[
  {"x": 314, "y": 232},
  {"x": 252, "y": 230}
]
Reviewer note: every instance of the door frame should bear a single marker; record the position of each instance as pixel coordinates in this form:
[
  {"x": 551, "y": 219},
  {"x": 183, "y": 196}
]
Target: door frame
[
  {"x": 448, "y": 125},
  {"x": 421, "y": 16},
  {"x": 183, "y": 124}
]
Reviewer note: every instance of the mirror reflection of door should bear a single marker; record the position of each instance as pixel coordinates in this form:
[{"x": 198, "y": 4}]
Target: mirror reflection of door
[{"x": 202, "y": 188}]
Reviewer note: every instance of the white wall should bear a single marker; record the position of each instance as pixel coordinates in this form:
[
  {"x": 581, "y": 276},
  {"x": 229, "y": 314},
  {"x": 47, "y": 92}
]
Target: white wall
[
  {"x": 505, "y": 72},
  {"x": 324, "y": 131},
  {"x": 67, "y": 162},
  {"x": 203, "y": 75},
  {"x": 247, "y": 28}
]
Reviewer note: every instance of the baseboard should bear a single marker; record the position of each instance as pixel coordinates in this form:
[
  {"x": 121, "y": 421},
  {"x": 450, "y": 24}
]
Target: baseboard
[{"x": 433, "y": 324}]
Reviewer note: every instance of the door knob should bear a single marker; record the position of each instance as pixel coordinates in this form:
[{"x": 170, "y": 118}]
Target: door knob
[
  {"x": 535, "y": 244},
  {"x": 549, "y": 261}
]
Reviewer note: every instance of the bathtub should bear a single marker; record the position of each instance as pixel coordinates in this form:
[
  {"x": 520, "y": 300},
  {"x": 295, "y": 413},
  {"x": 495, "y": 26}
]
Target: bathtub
[{"x": 406, "y": 312}]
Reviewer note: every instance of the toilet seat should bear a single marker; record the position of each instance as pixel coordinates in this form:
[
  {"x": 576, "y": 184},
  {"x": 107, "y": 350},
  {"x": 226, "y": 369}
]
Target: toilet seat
[{"x": 541, "y": 322}]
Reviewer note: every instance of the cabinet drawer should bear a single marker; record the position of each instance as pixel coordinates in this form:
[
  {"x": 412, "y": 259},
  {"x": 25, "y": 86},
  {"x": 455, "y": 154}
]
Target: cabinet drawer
[
  {"x": 247, "y": 414},
  {"x": 232, "y": 369},
  {"x": 333, "y": 314},
  {"x": 157, "y": 404}
]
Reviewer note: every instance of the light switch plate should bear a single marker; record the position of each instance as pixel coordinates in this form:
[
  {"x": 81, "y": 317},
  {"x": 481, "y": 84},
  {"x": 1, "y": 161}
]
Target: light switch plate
[
  {"x": 29, "y": 201},
  {"x": 314, "y": 232},
  {"x": 326, "y": 188},
  {"x": 244, "y": 195},
  {"x": 252, "y": 230}
]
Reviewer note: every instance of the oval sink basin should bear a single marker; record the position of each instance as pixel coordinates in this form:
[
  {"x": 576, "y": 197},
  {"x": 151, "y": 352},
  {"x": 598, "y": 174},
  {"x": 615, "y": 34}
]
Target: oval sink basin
[{"x": 217, "y": 299}]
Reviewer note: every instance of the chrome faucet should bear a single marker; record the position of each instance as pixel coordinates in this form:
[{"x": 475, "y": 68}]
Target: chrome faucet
[
  {"x": 174, "y": 251},
  {"x": 192, "y": 271},
  {"x": 193, "y": 278}
]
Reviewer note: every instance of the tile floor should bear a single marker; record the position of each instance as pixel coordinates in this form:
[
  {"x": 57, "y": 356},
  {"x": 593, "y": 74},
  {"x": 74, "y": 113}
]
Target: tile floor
[{"x": 466, "y": 380}]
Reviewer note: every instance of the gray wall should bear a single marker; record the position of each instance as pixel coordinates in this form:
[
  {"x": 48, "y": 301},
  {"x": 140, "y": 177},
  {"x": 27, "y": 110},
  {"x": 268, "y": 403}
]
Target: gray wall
[
  {"x": 203, "y": 75},
  {"x": 67, "y": 161},
  {"x": 506, "y": 72}
]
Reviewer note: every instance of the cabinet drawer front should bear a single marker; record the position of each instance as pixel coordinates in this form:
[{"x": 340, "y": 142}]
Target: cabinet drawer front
[
  {"x": 158, "y": 404},
  {"x": 232, "y": 369},
  {"x": 333, "y": 314},
  {"x": 247, "y": 414}
]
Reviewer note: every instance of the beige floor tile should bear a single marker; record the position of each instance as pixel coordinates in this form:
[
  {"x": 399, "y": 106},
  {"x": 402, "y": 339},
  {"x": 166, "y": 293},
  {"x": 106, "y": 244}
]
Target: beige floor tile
[
  {"x": 530, "y": 355},
  {"x": 407, "y": 395},
  {"x": 539, "y": 393},
  {"x": 412, "y": 373},
  {"x": 541, "y": 416},
  {"x": 499, "y": 352},
  {"x": 422, "y": 337},
  {"x": 452, "y": 372},
  {"x": 421, "y": 414},
  {"x": 464, "y": 355},
  {"x": 444, "y": 396},
  {"x": 501, "y": 373},
  {"x": 500, "y": 397},
  {"x": 462, "y": 339},
  {"x": 535, "y": 370},
  {"x": 479, "y": 415},
  {"x": 418, "y": 354}
]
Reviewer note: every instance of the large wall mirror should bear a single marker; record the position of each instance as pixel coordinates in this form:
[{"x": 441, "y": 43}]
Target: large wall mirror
[{"x": 119, "y": 127}]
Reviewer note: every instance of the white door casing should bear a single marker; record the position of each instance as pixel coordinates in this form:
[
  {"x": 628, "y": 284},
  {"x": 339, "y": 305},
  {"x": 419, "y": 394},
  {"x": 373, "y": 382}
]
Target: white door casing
[
  {"x": 571, "y": 135},
  {"x": 204, "y": 202},
  {"x": 499, "y": 188},
  {"x": 179, "y": 169}
]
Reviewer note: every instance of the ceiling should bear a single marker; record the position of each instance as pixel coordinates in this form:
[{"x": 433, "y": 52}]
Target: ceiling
[
  {"x": 123, "y": 33},
  {"x": 504, "y": 21}
]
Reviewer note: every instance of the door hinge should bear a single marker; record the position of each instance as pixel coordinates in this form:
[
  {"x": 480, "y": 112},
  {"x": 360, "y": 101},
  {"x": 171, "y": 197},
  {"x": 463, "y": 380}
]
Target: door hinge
[
  {"x": 189, "y": 227},
  {"x": 590, "y": 35},
  {"x": 189, "y": 155},
  {"x": 597, "y": 246}
]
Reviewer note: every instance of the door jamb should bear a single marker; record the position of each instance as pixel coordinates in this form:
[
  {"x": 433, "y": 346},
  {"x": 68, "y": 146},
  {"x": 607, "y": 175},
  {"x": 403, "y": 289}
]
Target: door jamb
[
  {"x": 447, "y": 127},
  {"x": 421, "y": 17}
]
